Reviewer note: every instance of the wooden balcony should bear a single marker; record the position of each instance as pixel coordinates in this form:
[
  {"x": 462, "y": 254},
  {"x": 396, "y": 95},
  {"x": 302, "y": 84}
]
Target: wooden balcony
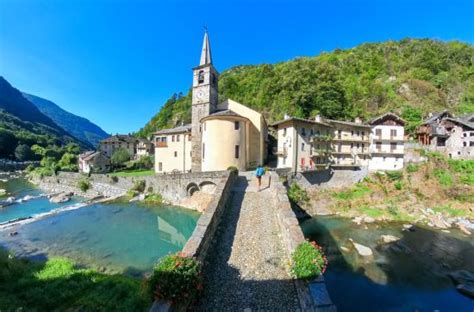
[{"x": 161, "y": 144}]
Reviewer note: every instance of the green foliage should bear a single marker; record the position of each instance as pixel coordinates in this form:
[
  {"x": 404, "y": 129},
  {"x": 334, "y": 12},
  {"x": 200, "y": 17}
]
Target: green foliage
[
  {"x": 145, "y": 162},
  {"x": 23, "y": 152},
  {"x": 398, "y": 185},
  {"x": 57, "y": 285},
  {"x": 411, "y": 168},
  {"x": 357, "y": 191},
  {"x": 176, "y": 278},
  {"x": 120, "y": 157},
  {"x": 410, "y": 77},
  {"x": 133, "y": 173},
  {"x": 68, "y": 162},
  {"x": 154, "y": 199},
  {"x": 139, "y": 186},
  {"x": 444, "y": 177},
  {"x": 371, "y": 212},
  {"x": 233, "y": 169},
  {"x": 297, "y": 195},
  {"x": 84, "y": 185},
  {"x": 394, "y": 175},
  {"x": 393, "y": 210},
  {"x": 308, "y": 261}
]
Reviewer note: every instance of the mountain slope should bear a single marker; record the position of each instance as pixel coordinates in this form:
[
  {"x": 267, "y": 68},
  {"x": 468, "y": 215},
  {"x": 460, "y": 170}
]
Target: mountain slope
[
  {"x": 410, "y": 77},
  {"x": 22, "y": 123},
  {"x": 79, "y": 127}
]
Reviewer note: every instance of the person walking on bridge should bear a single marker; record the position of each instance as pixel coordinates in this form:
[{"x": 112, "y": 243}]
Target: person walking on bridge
[{"x": 259, "y": 172}]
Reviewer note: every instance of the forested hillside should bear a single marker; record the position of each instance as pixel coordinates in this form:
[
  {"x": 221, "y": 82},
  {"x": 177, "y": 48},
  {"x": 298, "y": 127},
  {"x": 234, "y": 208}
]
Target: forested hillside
[
  {"x": 410, "y": 77},
  {"x": 22, "y": 125},
  {"x": 79, "y": 127}
]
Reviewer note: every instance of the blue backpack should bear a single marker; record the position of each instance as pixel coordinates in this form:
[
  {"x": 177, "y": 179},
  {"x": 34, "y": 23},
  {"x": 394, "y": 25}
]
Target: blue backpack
[{"x": 260, "y": 172}]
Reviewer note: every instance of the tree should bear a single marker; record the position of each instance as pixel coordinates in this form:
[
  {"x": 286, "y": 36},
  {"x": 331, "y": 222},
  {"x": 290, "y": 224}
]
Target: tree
[
  {"x": 73, "y": 148},
  {"x": 23, "y": 152},
  {"x": 68, "y": 162},
  {"x": 119, "y": 157},
  {"x": 8, "y": 142}
]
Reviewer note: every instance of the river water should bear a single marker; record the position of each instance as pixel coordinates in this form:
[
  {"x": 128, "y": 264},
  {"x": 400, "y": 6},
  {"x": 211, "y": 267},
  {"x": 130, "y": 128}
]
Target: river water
[
  {"x": 114, "y": 237},
  {"x": 409, "y": 275}
]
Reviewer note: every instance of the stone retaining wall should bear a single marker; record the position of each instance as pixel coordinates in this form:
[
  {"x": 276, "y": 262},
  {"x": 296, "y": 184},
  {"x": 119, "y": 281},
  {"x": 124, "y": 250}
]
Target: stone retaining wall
[
  {"x": 313, "y": 295},
  {"x": 330, "y": 178},
  {"x": 199, "y": 242},
  {"x": 9, "y": 165},
  {"x": 172, "y": 187}
]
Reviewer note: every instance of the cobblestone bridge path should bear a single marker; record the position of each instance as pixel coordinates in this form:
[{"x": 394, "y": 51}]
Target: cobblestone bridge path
[{"x": 248, "y": 264}]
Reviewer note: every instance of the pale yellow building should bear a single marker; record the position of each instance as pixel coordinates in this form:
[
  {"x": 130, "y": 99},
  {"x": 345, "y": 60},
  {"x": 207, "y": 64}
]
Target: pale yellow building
[
  {"x": 219, "y": 136},
  {"x": 303, "y": 144}
]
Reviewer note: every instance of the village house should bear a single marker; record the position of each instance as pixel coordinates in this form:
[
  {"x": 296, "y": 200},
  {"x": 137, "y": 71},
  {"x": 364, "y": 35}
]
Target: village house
[
  {"x": 93, "y": 162},
  {"x": 303, "y": 144},
  {"x": 350, "y": 143},
  {"x": 136, "y": 147},
  {"x": 387, "y": 143},
  {"x": 452, "y": 136},
  {"x": 219, "y": 136}
]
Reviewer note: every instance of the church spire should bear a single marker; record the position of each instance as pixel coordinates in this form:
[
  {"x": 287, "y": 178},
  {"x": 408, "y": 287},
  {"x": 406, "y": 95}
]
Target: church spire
[{"x": 206, "y": 51}]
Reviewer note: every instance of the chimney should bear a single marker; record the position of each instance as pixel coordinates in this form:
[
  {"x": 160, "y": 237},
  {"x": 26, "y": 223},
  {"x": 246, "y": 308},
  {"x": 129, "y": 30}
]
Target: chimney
[
  {"x": 357, "y": 120},
  {"x": 286, "y": 117},
  {"x": 318, "y": 118}
]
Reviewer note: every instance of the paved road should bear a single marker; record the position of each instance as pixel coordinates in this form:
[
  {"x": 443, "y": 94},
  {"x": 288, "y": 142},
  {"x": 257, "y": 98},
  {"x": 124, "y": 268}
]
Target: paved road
[{"x": 248, "y": 265}]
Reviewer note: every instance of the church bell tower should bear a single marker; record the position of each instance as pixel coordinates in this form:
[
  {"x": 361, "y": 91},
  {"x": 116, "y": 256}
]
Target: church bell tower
[{"x": 204, "y": 101}]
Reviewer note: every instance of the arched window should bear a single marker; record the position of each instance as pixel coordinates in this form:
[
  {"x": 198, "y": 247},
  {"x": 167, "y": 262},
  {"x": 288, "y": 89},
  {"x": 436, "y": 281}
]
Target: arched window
[{"x": 201, "y": 76}]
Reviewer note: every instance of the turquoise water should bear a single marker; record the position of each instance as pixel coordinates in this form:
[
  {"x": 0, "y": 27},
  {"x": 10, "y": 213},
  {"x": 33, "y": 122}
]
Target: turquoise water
[
  {"x": 19, "y": 188},
  {"x": 115, "y": 237},
  {"x": 414, "y": 280}
]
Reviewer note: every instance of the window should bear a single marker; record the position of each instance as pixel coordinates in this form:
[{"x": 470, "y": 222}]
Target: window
[
  {"x": 311, "y": 132},
  {"x": 464, "y": 143},
  {"x": 201, "y": 76},
  {"x": 393, "y": 132},
  {"x": 172, "y": 138},
  {"x": 284, "y": 160},
  {"x": 352, "y": 145},
  {"x": 378, "y": 132},
  {"x": 175, "y": 154},
  {"x": 358, "y": 133},
  {"x": 237, "y": 151},
  {"x": 393, "y": 147},
  {"x": 236, "y": 125},
  {"x": 471, "y": 143},
  {"x": 189, "y": 137},
  {"x": 471, "y": 134},
  {"x": 160, "y": 166},
  {"x": 317, "y": 132},
  {"x": 358, "y": 145},
  {"x": 302, "y": 147},
  {"x": 177, "y": 138},
  {"x": 284, "y": 131},
  {"x": 203, "y": 150},
  {"x": 464, "y": 134},
  {"x": 303, "y": 131},
  {"x": 352, "y": 132},
  {"x": 378, "y": 146}
]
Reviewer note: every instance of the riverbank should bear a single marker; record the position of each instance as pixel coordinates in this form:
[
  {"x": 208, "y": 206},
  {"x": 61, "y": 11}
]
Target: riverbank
[{"x": 438, "y": 193}]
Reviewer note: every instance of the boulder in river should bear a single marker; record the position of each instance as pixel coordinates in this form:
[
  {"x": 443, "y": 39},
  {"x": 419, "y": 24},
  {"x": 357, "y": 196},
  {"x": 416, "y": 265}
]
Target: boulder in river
[
  {"x": 386, "y": 239},
  {"x": 369, "y": 220},
  {"x": 3, "y": 192},
  {"x": 464, "y": 281},
  {"x": 61, "y": 198},
  {"x": 362, "y": 250}
]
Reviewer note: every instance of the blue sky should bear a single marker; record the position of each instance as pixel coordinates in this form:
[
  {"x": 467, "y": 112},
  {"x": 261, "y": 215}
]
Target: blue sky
[{"x": 116, "y": 62}]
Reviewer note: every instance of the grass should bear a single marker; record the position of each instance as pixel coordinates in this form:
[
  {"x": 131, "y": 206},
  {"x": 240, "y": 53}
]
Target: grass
[
  {"x": 359, "y": 190},
  {"x": 133, "y": 173},
  {"x": 371, "y": 212},
  {"x": 450, "y": 211},
  {"x": 58, "y": 285},
  {"x": 444, "y": 177}
]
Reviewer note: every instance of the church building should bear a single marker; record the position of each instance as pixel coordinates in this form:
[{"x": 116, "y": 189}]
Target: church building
[{"x": 220, "y": 134}]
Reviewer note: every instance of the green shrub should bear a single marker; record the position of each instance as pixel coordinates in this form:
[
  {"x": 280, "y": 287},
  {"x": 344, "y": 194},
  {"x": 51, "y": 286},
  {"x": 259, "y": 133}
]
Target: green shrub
[
  {"x": 233, "y": 169},
  {"x": 461, "y": 166},
  {"x": 393, "y": 210},
  {"x": 84, "y": 185},
  {"x": 297, "y": 195},
  {"x": 398, "y": 185},
  {"x": 176, "y": 278},
  {"x": 394, "y": 175},
  {"x": 154, "y": 199},
  {"x": 450, "y": 211},
  {"x": 444, "y": 177},
  {"x": 412, "y": 168},
  {"x": 357, "y": 191},
  {"x": 308, "y": 261},
  {"x": 139, "y": 186}
]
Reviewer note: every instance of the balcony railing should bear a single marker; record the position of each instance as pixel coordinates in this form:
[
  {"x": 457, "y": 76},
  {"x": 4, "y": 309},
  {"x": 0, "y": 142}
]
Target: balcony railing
[
  {"x": 280, "y": 152},
  {"x": 161, "y": 144},
  {"x": 388, "y": 138}
]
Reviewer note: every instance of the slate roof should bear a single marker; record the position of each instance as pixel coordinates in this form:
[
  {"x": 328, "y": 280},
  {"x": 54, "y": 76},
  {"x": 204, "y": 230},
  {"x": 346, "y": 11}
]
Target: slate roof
[
  {"x": 119, "y": 138},
  {"x": 436, "y": 116},
  {"x": 461, "y": 122},
  {"x": 180, "y": 129},
  {"x": 299, "y": 119},
  {"x": 384, "y": 116},
  {"x": 86, "y": 156},
  {"x": 348, "y": 123}
]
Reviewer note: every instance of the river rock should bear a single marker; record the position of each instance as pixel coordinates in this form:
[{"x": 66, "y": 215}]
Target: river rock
[
  {"x": 386, "y": 239},
  {"x": 61, "y": 198},
  {"x": 400, "y": 247},
  {"x": 362, "y": 250},
  {"x": 463, "y": 229},
  {"x": 408, "y": 227},
  {"x": 369, "y": 220},
  {"x": 438, "y": 222},
  {"x": 3, "y": 192},
  {"x": 357, "y": 220},
  {"x": 464, "y": 281}
]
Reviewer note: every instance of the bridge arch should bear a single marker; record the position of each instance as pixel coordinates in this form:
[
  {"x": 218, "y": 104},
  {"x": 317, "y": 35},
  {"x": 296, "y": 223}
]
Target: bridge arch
[
  {"x": 191, "y": 188},
  {"x": 207, "y": 187}
]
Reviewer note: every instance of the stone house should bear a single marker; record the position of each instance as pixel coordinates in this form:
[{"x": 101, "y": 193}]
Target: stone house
[
  {"x": 93, "y": 162},
  {"x": 387, "y": 142},
  {"x": 219, "y": 136},
  {"x": 452, "y": 136},
  {"x": 135, "y": 147},
  {"x": 303, "y": 144}
]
